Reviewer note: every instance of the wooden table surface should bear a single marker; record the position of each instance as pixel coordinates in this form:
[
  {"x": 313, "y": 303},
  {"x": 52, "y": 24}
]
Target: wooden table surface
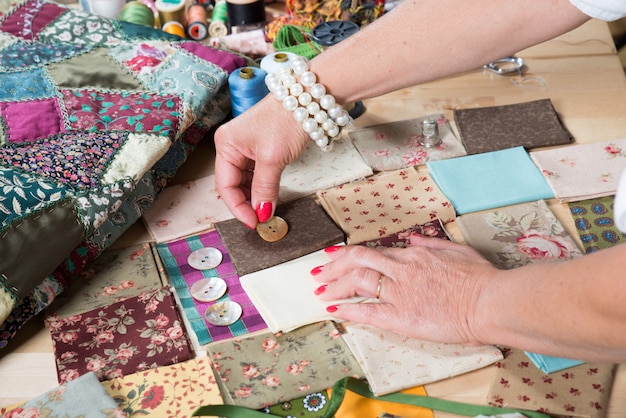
[{"x": 579, "y": 71}]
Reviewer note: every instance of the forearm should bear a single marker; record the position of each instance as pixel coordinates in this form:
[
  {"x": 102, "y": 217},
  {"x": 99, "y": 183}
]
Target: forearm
[
  {"x": 423, "y": 40},
  {"x": 574, "y": 309}
]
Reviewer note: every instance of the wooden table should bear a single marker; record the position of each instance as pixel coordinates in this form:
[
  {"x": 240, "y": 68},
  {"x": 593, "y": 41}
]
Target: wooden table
[{"x": 579, "y": 71}]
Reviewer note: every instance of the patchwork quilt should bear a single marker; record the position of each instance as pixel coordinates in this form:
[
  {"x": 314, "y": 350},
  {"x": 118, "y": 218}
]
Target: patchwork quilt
[{"x": 96, "y": 116}]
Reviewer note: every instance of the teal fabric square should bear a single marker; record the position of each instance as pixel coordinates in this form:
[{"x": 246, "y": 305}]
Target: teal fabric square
[
  {"x": 549, "y": 364},
  {"x": 490, "y": 180},
  {"x": 25, "y": 85}
]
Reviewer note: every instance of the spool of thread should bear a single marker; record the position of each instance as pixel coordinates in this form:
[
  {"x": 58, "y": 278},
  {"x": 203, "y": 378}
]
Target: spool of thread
[
  {"x": 219, "y": 20},
  {"x": 245, "y": 12},
  {"x": 274, "y": 62},
  {"x": 247, "y": 87},
  {"x": 171, "y": 11},
  {"x": 136, "y": 12},
  {"x": 197, "y": 22},
  {"x": 174, "y": 28}
]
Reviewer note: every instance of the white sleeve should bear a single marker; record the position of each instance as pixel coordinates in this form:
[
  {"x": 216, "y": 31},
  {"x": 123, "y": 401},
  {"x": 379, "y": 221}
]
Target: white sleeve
[
  {"x": 608, "y": 10},
  {"x": 619, "y": 208}
]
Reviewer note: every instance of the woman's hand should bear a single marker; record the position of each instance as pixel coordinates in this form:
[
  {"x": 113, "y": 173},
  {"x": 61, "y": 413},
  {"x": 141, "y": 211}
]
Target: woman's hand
[
  {"x": 428, "y": 291},
  {"x": 252, "y": 151}
]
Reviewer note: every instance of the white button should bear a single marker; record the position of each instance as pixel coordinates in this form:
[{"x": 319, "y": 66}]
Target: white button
[
  {"x": 208, "y": 290},
  {"x": 205, "y": 258},
  {"x": 223, "y": 313}
]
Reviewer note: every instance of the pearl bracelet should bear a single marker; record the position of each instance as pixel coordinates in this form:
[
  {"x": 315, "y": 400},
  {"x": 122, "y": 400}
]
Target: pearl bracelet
[{"x": 297, "y": 88}]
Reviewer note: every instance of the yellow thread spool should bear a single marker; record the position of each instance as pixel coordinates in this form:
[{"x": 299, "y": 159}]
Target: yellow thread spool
[{"x": 175, "y": 28}]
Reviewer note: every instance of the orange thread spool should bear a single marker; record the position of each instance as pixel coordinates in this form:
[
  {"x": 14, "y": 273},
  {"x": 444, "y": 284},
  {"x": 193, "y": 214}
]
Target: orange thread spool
[
  {"x": 197, "y": 28},
  {"x": 175, "y": 28}
]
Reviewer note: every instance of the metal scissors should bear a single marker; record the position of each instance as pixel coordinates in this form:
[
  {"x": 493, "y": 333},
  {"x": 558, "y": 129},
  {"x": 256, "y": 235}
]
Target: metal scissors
[{"x": 506, "y": 65}]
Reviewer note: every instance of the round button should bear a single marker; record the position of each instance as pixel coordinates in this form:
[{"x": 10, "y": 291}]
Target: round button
[
  {"x": 209, "y": 289},
  {"x": 205, "y": 258},
  {"x": 273, "y": 230},
  {"x": 223, "y": 313}
]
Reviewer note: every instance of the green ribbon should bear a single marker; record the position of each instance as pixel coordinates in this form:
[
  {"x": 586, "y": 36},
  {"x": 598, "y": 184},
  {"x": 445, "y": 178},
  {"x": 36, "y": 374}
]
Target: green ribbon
[{"x": 360, "y": 387}]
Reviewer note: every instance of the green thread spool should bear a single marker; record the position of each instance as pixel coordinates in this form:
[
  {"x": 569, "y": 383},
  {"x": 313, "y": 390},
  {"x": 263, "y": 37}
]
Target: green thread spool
[
  {"x": 136, "y": 12},
  {"x": 219, "y": 20}
]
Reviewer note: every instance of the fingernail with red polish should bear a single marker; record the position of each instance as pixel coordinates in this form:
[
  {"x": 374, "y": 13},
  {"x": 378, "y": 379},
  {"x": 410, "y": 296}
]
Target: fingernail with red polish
[
  {"x": 320, "y": 289},
  {"x": 264, "y": 211},
  {"x": 332, "y": 308},
  {"x": 316, "y": 270},
  {"x": 332, "y": 248}
]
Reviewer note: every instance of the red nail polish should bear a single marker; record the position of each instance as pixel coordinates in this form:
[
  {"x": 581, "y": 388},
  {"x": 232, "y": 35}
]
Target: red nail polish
[
  {"x": 332, "y": 308},
  {"x": 264, "y": 211},
  {"x": 320, "y": 289},
  {"x": 332, "y": 248},
  {"x": 316, "y": 270}
]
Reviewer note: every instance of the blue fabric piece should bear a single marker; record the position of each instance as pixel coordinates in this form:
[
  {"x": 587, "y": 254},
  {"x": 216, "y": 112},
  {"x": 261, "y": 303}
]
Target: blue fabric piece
[
  {"x": 83, "y": 397},
  {"x": 20, "y": 56},
  {"x": 548, "y": 364},
  {"x": 25, "y": 85},
  {"x": 490, "y": 180}
]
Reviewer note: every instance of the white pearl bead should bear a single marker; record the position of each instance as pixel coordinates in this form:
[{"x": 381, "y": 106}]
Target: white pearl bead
[
  {"x": 272, "y": 85},
  {"x": 307, "y": 79},
  {"x": 313, "y": 108},
  {"x": 296, "y": 89},
  {"x": 317, "y": 134},
  {"x": 329, "y": 147},
  {"x": 334, "y": 111},
  {"x": 284, "y": 72},
  {"x": 320, "y": 116},
  {"x": 305, "y": 98},
  {"x": 333, "y": 132},
  {"x": 318, "y": 90},
  {"x": 271, "y": 79},
  {"x": 343, "y": 119},
  {"x": 290, "y": 103},
  {"x": 328, "y": 124},
  {"x": 309, "y": 125},
  {"x": 327, "y": 101},
  {"x": 300, "y": 114},
  {"x": 289, "y": 81},
  {"x": 281, "y": 92},
  {"x": 322, "y": 142},
  {"x": 299, "y": 66}
]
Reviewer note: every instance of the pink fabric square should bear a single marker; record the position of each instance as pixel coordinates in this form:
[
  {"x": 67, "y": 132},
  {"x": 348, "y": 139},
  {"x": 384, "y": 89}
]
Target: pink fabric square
[{"x": 28, "y": 121}]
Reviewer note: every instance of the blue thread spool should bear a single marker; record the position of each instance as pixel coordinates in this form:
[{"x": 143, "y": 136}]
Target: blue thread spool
[{"x": 247, "y": 87}]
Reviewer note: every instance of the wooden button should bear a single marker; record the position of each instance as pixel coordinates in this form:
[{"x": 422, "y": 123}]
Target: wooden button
[{"x": 272, "y": 230}]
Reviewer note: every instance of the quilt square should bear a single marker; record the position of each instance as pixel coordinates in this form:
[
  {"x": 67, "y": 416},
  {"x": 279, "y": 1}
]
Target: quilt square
[{"x": 31, "y": 120}]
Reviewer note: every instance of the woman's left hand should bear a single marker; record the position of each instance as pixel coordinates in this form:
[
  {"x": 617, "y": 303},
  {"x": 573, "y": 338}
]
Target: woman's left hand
[{"x": 427, "y": 291}]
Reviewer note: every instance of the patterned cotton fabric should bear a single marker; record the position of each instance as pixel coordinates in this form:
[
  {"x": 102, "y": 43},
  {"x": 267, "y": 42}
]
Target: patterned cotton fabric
[
  {"x": 97, "y": 116},
  {"x": 594, "y": 220}
]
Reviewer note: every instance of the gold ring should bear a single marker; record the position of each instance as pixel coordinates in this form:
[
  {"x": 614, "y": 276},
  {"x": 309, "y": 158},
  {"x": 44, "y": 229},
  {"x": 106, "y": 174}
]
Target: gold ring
[{"x": 380, "y": 285}]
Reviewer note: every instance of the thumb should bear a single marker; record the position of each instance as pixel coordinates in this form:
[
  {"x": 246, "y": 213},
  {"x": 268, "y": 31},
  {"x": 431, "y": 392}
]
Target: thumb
[{"x": 265, "y": 187}]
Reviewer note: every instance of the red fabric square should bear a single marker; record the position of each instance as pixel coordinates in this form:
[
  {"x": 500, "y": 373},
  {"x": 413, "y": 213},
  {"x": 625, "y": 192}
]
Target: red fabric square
[
  {"x": 32, "y": 120},
  {"x": 129, "y": 336}
]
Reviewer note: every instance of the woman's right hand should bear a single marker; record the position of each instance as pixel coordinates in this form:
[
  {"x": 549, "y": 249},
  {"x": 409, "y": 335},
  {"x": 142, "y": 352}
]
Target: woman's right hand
[{"x": 252, "y": 150}]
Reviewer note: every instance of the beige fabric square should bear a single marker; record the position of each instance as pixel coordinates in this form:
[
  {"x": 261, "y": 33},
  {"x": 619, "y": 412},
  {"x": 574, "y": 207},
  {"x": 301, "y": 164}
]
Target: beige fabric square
[{"x": 386, "y": 204}]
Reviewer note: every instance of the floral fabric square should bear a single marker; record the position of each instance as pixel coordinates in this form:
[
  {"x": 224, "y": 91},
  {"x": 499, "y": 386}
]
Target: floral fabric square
[
  {"x": 317, "y": 170},
  {"x": 310, "y": 229},
  {"x": 175, "y": 256},
  {"x": 392, "y": 362},
  {"x": 594, "y": 220},
  {"x": 433, "y": 229},
  {"x": 490, "y": 180},
  {"x": 583, "y": 171},
  {"x": 284, "y": 294},
  {"x": 83, "y": 397},
  {"x": 116, "y": 275},
  {"x": 267, "y": 369},
  {"x": 186, "y": 209},
  {"x": 529, "y": 124},
  {"x": 582, "y": 391},
  {"x": 174, "y": 391},
  {"x": 123, "y": 338},
  {"x": 385, "y": 204},
  {"x": 517, "y": 235},
  {"x": 396, "y": 145}
]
